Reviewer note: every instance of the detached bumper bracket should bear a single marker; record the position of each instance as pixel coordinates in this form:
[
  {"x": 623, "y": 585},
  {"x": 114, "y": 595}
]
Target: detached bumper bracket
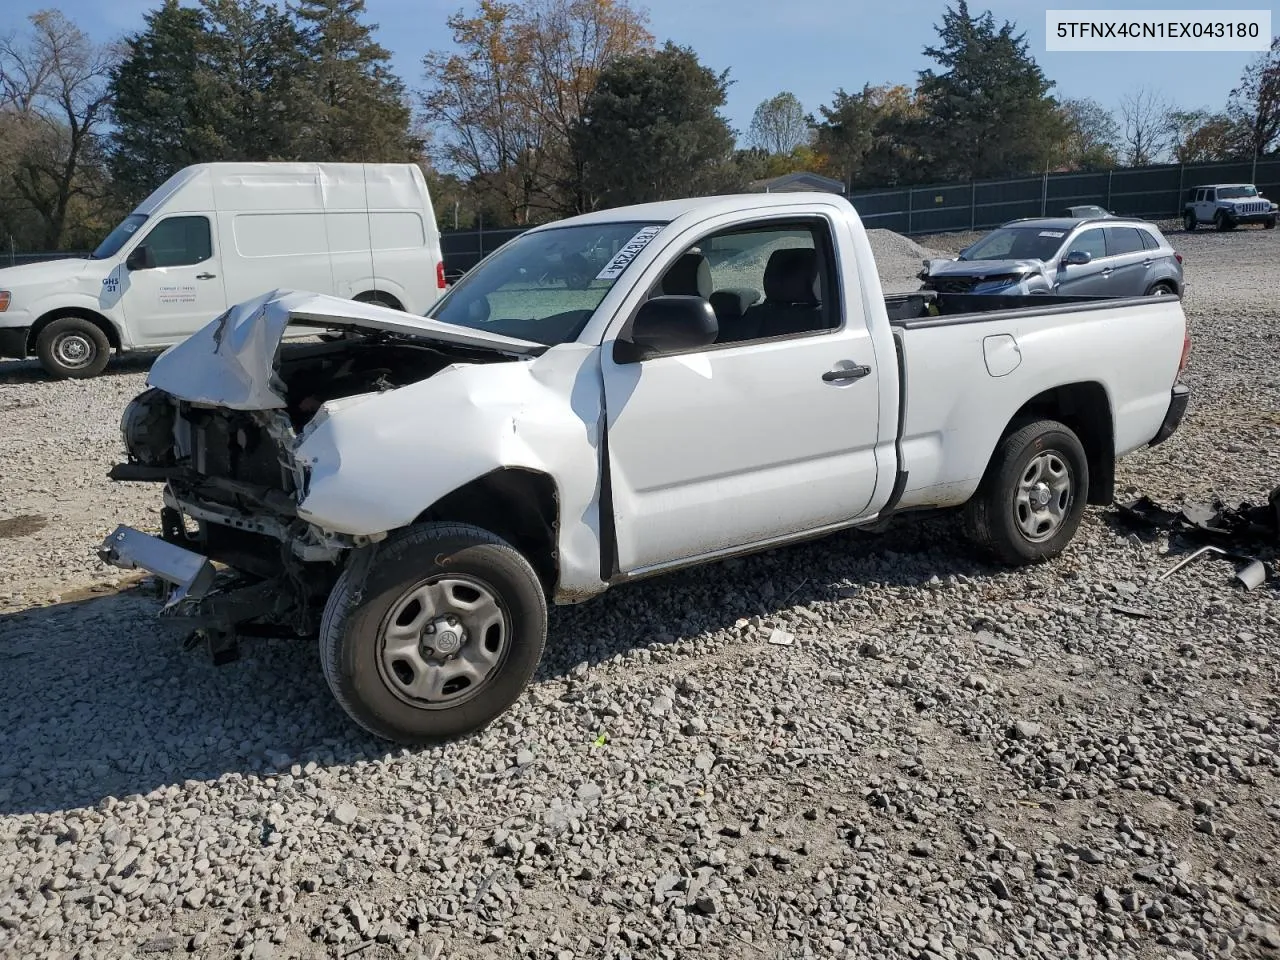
[
  {"x": 191, "y": 574},
  {"x": 1178, "y": 398}
]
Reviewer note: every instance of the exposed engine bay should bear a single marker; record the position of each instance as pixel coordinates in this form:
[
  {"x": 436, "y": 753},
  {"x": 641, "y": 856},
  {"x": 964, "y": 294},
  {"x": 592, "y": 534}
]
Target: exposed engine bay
[{"x": 232, "y": 473}]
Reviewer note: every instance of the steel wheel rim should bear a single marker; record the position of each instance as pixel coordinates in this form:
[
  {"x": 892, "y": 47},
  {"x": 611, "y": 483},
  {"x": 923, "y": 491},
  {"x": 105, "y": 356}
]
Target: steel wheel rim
[
  {"x": 73, "y": 350},
  {"x": 1043, "y": 496},
  {"x": 443, "y": 641}
]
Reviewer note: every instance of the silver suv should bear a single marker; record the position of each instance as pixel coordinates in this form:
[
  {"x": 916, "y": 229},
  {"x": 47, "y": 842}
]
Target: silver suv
[
  {"x": 1227, "y": 205},
  {"x": 1094, "y": 257}
]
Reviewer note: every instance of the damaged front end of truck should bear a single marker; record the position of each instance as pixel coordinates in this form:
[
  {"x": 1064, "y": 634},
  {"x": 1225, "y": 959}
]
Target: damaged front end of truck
[{"x": 221, "y": 426}]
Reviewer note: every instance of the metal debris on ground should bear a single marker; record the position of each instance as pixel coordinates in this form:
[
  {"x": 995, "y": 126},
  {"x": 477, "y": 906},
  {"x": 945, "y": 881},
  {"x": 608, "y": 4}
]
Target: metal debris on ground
[{"x": 1230, "y": 528}]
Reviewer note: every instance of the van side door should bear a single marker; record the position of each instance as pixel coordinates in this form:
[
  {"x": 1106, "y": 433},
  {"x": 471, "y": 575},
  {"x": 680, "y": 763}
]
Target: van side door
[{"x": 172, "y": 283}]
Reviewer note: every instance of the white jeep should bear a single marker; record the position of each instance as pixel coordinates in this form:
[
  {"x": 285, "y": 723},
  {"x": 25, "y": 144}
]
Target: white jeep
[{"x": 1227, "y": 205}]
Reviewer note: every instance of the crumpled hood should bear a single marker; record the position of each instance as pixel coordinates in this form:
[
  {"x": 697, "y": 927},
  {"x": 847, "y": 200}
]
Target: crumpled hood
[
  {"x": 46, "y": 271},
  {"x": 981, "y": 268},
  {"x": 230, "y": 362}
]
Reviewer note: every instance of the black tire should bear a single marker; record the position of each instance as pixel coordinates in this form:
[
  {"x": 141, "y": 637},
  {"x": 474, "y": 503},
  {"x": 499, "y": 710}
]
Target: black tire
[
  {"x": 992, "y": 517},
  {"x": 72, "y": 348},
  {"x": 1269, "y": 223},
  {"x": 1161, "y": 288},
  {"x": 1222, "y": 222},
  {"x": 351, "y": 633},
  {"x": 1189, "y": 222}
]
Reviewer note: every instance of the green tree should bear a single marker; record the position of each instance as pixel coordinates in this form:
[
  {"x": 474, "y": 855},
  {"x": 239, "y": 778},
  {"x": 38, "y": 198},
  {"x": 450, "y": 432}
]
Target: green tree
[
  {"x": 988, "y": 111},
  {"x": 252, "y": 66},
  {"x": 168, "y": 105},
  {"x": 1092, "y": 135},
  {"x": 779, "y": 124},
  {"x": 865, "y": 138},
  {"x": 507, "y": 98},
  {"x": 1254, "y": 104},
  {"x": 652, "y": 130},
  {"x": 353, "y": 107},
  {"x": 1202, "y": 136}
]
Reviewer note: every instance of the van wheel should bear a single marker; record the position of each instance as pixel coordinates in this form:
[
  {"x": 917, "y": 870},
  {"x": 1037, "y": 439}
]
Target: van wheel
[
  {"x": 379, "y": 300},
  {"x": 1031, "y": 500},
  {"x": 441, "y": 639},
  {"x": 72, "y": 348}
]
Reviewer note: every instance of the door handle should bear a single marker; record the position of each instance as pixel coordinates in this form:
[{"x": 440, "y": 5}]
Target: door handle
[
  {"x": 843, "y": 374},
  {"x": 205, "y": 276},
  {"x": 1147, "y": 262},
  {"x": 1106, "y": 272}
]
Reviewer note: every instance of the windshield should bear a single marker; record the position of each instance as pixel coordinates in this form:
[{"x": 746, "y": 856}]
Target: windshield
[
  {"x": 545, "y": 286},
  {"x": 1236, "y": 193},
  {"x": 118, "y": 237},
  {"x": 1017, "y": 243}
]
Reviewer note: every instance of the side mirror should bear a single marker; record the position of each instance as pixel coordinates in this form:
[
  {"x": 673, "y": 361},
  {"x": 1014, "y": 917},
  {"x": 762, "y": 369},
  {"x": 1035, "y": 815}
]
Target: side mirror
[
  {"x": 1077, "y": 258},
  {"x": 669, "y": 324},
  {"x": 142, "y": 258}
]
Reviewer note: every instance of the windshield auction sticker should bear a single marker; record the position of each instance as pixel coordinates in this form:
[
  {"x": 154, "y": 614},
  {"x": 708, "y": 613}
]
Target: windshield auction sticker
[{"x": 613, "y": 269}]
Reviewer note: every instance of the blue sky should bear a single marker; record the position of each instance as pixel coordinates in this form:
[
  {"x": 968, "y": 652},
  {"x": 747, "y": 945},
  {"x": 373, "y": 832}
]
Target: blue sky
[{"x": 810, "y": 47}]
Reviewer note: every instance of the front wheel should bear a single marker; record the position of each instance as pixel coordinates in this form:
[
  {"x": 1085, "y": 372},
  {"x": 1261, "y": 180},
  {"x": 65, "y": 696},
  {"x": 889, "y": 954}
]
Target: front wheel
[
  {"x": 1189, "y": 221},
  {"x": 1269, "y": 223},
  {"x": 72, "y": 348},
  {"x": 442, "y": 638},
  {"x": 1030, "y": 502}
]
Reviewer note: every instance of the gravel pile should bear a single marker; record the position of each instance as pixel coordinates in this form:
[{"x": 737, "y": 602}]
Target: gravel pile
[{"x": 873, "y": 746}]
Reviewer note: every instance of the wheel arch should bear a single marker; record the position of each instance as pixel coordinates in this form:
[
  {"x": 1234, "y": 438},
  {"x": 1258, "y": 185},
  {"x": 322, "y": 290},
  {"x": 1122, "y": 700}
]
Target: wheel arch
[
  {"x": 1085, "y": 407},
  {"x": 84, "y": 313},
  {"x": 384, "y": 297},
  {"x": 520, "y": 505}
]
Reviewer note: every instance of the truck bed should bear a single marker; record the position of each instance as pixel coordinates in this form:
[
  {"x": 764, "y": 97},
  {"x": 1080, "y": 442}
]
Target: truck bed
[
  {"x": 967, "y": 362},
  {"x": 929, "y": 305}
]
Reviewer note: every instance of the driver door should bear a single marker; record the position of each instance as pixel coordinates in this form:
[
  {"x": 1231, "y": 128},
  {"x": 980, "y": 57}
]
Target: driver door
[
  {"x": 760, "y": 435},
  {"x": 181, "y": 289}
]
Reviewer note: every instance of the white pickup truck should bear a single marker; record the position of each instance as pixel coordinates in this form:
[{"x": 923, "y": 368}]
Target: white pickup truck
[{"x": 417, "y": 491}]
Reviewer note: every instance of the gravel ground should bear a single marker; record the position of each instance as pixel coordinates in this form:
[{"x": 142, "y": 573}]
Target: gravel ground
[{"x": 949, "y": 761}]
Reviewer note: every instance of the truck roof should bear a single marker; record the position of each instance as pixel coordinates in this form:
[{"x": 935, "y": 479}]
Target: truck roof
[{"x": 665, "y": 211}]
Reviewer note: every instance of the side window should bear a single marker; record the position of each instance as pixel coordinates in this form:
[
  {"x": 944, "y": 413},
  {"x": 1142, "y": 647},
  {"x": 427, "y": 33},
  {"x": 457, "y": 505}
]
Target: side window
[
  {"x": 1122, "y": 240},
  {"x": 180, "y": 241},
  {"x": 1091, "y": 242},
  {"x": 763, "y": 281},
  {"x": 1149, "y": 240}
]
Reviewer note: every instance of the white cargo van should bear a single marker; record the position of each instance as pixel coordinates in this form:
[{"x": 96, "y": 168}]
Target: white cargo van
[{"x": 220, "y": 233}]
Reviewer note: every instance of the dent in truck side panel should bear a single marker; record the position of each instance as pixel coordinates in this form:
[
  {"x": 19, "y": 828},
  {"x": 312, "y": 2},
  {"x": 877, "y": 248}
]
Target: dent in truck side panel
[{"x": 442, "y": 433}]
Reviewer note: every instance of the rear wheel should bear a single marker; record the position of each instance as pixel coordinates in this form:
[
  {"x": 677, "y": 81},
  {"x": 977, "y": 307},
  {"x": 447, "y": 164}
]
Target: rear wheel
[
  {"x": 440, "y": 640},
  {"x": 1161, "y": 289},
  {"x": 72, "y": 348},
  {"x": 1030, "y": 502}
]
